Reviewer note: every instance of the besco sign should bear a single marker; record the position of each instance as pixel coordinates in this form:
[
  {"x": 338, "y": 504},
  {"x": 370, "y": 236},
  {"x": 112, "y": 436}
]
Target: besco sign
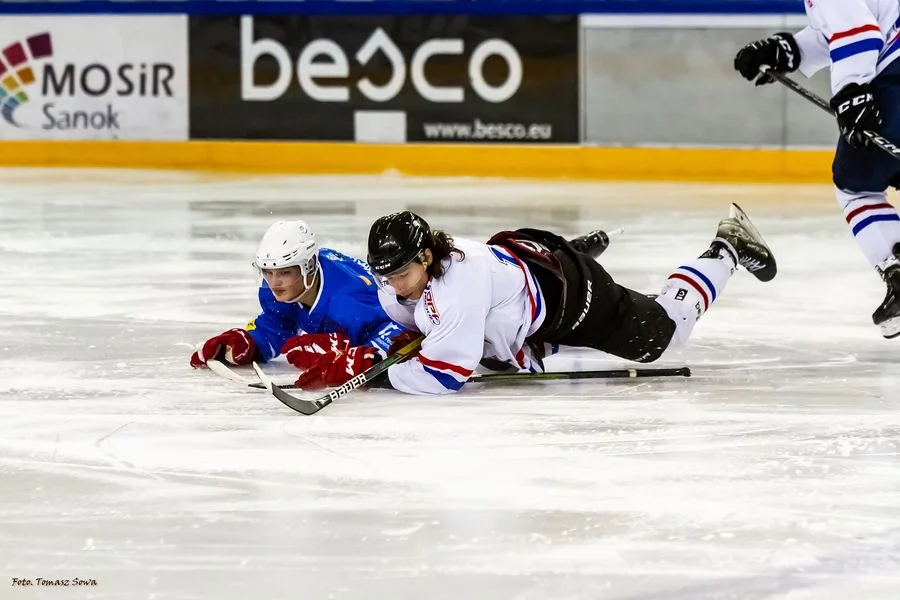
[
  {"x": 413, "y": 78},
  {"x": 323, "y": 58}
]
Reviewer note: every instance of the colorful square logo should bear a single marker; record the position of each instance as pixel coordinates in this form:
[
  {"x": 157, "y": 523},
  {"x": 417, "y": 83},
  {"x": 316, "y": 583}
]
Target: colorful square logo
[{"x": 18, "y": 72}]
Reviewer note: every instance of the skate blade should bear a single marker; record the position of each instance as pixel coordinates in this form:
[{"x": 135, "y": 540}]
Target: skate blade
[
  {"x": 890, "y": 328},
  {"x": 737, "y": 213}
]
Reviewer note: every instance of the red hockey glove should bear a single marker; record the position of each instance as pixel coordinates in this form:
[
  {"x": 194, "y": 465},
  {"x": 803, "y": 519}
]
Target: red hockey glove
[
  {"x": 305, "y": 350},
  {"x": 236, "y": 346},
  {"x": 332, "y": 369},
  {"x": 403, "y": 339}
]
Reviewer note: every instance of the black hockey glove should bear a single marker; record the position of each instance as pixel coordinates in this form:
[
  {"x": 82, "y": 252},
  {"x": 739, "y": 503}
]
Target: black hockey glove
[
  {"x": 779, "y": 52},
  {"x": 854, "y": 107}
]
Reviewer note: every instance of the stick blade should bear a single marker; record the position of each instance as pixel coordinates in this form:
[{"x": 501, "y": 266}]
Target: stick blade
[
  {"x": 263, "y": 378},
  {"x": 222, "y": 370},
  {"x": 300, "y": 405}
]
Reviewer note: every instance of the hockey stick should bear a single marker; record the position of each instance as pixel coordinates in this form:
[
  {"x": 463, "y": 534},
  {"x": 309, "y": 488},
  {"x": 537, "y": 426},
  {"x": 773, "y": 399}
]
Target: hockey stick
[
  {"x": 311, "y": 407},
  {"x": 572, "y": 375},
  {"x": 222, "y": 370},
  {"x": 552, "y": 376},
  {"x": 880, "y": 141}
]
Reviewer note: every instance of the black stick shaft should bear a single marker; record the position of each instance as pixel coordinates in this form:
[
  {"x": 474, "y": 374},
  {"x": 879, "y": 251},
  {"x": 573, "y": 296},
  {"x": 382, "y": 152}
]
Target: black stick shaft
[
  {"x": 802, "y": 91},
  {"x": 570, "y": 375}
]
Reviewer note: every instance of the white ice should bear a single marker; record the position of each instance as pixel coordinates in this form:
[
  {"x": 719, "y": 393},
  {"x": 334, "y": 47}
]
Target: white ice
[{"x": 772, "y": 473}]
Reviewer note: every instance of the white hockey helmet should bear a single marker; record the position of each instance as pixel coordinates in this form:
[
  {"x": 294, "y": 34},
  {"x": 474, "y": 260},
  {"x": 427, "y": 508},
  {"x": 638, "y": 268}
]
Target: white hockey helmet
[{"x": 289, "y": 244}]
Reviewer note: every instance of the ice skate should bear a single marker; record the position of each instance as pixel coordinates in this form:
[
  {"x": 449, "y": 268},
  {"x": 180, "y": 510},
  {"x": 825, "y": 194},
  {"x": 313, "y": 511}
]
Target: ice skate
[
  {"x": 594, "y": 243},
  {"x": 737, "y": 234},
  {"x": 887, "y": 316}
]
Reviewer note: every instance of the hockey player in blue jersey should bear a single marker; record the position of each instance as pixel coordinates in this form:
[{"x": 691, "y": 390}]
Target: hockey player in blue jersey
[{"x": 320, "y": 309}]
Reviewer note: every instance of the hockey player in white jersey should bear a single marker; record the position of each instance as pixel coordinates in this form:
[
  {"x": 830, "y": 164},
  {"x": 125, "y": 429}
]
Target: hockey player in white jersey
[
  {"x": 860, "y": 41},
  {"x": 509, "y": 300}
]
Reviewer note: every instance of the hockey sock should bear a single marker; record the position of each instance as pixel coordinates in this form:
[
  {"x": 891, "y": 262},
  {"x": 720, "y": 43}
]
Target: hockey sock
[
  {"x": 693, "y": 287},
  {"x": 874, "y": 223}
]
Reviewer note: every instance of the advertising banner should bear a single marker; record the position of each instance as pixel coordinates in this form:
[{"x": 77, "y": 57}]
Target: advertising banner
[
  {"x": 93, "y": 77},
  {"x": 385, "y": 79}
]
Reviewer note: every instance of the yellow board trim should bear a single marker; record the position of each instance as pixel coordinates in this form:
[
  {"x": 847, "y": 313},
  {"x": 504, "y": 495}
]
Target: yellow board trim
[{"x": 544, "y": 162}]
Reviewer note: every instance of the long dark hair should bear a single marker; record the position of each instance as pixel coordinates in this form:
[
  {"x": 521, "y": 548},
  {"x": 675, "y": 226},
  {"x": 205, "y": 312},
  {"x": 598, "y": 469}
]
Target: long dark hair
[{"x": 441, "y": 247}]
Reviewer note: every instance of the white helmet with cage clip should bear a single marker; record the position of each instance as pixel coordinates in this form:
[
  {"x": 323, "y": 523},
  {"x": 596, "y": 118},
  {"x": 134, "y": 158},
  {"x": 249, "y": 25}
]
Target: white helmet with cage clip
[{"x": 289, "y": 244}]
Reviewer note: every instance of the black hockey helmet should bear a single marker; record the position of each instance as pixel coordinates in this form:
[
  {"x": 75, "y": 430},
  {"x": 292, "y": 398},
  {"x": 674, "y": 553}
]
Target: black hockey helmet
[{"x": 395, "y": 240}]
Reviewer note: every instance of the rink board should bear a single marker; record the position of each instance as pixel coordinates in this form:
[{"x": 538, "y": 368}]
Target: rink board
[
  {"x": 575, "y": 162},
  {"x": 579, "y": 93}
]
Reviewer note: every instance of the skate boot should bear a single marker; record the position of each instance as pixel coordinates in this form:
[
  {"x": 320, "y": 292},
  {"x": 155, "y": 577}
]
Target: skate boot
[
  {"x": 737, "y": 235},
  {"x": 887, "y": 316},
  {"x": 594, "y": 243}
]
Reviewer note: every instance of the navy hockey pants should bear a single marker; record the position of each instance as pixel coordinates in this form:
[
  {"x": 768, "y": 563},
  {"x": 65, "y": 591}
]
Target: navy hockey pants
[{"x": 871, "y": 169}]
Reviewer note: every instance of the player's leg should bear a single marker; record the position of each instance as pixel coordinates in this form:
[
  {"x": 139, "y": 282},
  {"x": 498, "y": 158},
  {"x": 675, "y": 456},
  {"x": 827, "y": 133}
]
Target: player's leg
[
  {"x": 638, "y": 327},
  {"x": 861, "y": 177},
  {"x": 614, "y": 319},
  {"x": 691, "y": 290}
]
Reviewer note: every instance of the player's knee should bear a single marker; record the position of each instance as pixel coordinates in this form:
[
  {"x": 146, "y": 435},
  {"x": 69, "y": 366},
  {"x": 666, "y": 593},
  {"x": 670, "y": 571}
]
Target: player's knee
[{"x": 847, "y": 199}]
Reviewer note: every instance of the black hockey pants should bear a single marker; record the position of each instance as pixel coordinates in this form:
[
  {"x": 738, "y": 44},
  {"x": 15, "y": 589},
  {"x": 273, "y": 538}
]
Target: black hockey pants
[
  {"x": 585, "y": 307},
  {"x": 615, "y": 319}
]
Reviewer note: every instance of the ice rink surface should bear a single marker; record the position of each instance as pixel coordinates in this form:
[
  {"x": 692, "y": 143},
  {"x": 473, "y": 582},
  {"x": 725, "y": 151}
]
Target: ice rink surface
[{"x": 772, "y": 473}]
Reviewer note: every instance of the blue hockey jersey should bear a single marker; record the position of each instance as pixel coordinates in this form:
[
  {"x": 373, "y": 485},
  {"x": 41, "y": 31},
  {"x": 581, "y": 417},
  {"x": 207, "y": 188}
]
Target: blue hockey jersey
[{"x": 347, "y": 303}]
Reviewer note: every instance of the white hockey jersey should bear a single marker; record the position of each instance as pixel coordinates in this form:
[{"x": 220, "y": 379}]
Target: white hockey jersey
[
  {"x": 484, "y": 305},
  {"x": 858, "y": 38}
]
